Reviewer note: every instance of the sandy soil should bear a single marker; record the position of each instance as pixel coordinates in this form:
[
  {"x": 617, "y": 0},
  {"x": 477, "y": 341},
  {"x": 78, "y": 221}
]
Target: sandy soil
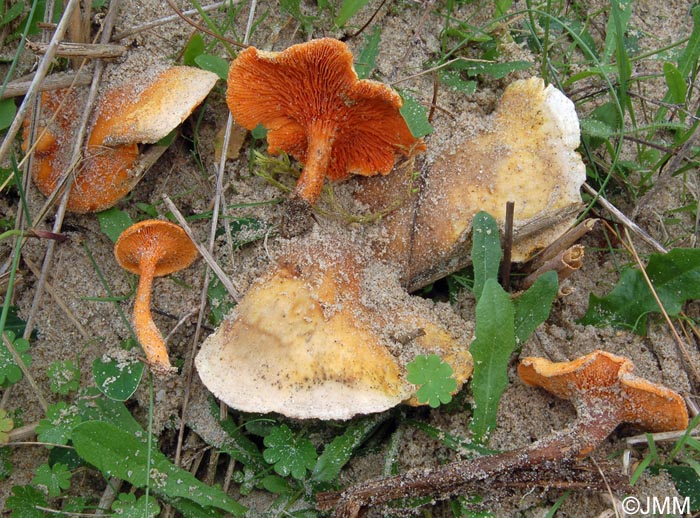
[{"x": 525, "y": 414}]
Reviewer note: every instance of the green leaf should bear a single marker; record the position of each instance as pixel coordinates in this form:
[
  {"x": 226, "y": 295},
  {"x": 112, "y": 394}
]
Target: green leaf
[
  {"x": 8, "y": 110},
  {"x": 617, "y": 24},
  {"x": 113, "y": 222},
  {"x": 688, "y": 60},
  {"x": 596, "y": 128},
  {"x": 121, "y": 454},
  {"x": 675, "y": 83},
  {"x": 64, "y": 376},
  {"x": 126, "y": 506},
  {"x": 58, "y": 425},
  {"x": 14, "y": 323},
  {"x": 453, "y": 442},
  {"x": 453, "y": 80},
  {"x": 213, "y": 64},
  {"x": 5, "y": 464},
  {"x": 52, "y": 479},
  {"x": 340, "y": 450},
  {"x": 533, "y": 306},
  {"x": 276, "y": 485},
  {"x": 24, "y": 502},
  {"x": 486, "y": 251},
  {"x": 365, "y": 63},
  {"x": 10, "y": 372},
  {"x": 13, "y": 12},
  {"x": 195, "y": 47},
  {"x": 117, "y": 379},
  {"x": 289, "y": 454},
  {"x": 676, "y": 278},
  {"x": 434, "y": 378},
  {"x": 415, "y": 115},
  {"x": 247, "y": 230},
  {"x": 495, "y": 70},
  {"x": 347, "y": 10},
  {"x": 491, "y": 350},
  {"x": 6, "y": 424}
]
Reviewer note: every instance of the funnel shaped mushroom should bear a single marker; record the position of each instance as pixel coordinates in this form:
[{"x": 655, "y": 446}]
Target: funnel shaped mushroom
[
  {"x": 313, "y": 340},
  {"x": 314, "y": 108},
  {"x": 605, "y": 393},
  {"x": 603, "y": 384},
  {"x": 124, "y": 118},
  {"x": 152, "y": 248}
]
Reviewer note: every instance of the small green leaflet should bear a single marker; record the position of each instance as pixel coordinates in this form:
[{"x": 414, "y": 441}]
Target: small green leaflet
[
  {"x": 24, "y": 502},
  {"x": 8, "y": 110},
  {"x": 52, "y": 479},
  {"x": 117, "y": 379},
  {"x": 676, "y": 279},
  {"x": 10, "y": 372},
  {"x": 366, "y": 61},
  {"x": 289, "y": 454},
  {"x": 347, "y": 10},
  {"x": 434, "y": 378},
  {"x": 213, "y": 64},
  {"x": 195, "y": 47},
  {"x": 415, "y": 115},
  {"x": 64, "y": 376},
  {"x": 113, "y": 222}
]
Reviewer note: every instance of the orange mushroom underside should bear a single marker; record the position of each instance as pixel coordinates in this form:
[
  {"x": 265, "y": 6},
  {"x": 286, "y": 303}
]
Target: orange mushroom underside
[{"x": 314, "y": 108}]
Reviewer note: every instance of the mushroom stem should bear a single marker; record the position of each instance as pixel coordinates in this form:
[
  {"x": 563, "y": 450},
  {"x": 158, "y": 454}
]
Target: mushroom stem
[
  {"x": 318, "y": 157},
  {"x": 594, "y": 424},
  {"x": 297, "y": 219},
  {"x": 148, "y": 334}
]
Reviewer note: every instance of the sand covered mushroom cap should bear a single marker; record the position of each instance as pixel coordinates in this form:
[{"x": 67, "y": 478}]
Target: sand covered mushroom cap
[
  {"x": 528, "y": 156},
  {"x": 165, "y": 241},
  {"x": 606, "y": 377},
  {"x": 123, "y": 118},
  {"x": 306, "y": 341},
  {"x": 162, "y": 106}
]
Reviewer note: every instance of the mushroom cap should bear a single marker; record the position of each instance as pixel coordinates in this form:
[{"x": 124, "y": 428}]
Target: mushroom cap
[
  {"x": 528, "y": 156},
  {"x": 167, "y": 242},
  {"x": 604, "y": 378},
  {"x": 314, "y": 83},
  {"x": 307, "y": 341},
  {"x": 162, "y": 106}
]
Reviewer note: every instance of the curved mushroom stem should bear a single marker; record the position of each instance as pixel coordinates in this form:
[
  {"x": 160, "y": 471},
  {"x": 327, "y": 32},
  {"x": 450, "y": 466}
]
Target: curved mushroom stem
[
  {"x": 595, "y": 423},
  {"x": 297, "y": 217},
  {"x": 148, "y": 334}
]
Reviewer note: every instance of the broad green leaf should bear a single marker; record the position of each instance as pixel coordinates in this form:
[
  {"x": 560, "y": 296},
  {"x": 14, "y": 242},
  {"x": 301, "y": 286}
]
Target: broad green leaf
[
  {"x": 8, "y": 110},
  {"x": 415, "y": 115},
  {"x": 688, "y": 60},
  {"x": 676, "y": 278},
  {"x": 366, "y": 61},
  {"x": 596, "y": 128},
  {"x": 220, "y": 302},
  {"x": 117, "y": 379},
  {"x": 434, "y": 378},
  {"x": 276, "y": 485},
  {"x": 687, "y": 482},
  {"x": 11, "y": 13},
  {"x": 290, "y": 455},
  {"x": 347, "y": 10},
  {"x": 113, "y": 222},
  {"x": 339, "y": 451},
  {"x": 195, "y": 47},
  {"x": 486, "y": 251},
  {"x": 491, "y": 350},
  {"x": 453, "y": 80},
  {"x": 213, "y": 64},
  {"x": 57, "y": 426},
  {"x": 675, "y": 83},
  {"x": 533, "y": 306},
  {"x": 495, "y": 70},
  {"x": 126, "y": 506},
  {"x": 121, "y": 454}
]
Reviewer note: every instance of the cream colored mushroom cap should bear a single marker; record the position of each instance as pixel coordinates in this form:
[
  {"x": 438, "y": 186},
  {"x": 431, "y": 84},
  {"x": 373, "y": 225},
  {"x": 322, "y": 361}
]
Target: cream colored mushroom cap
[
  {"x": 281, "y": 354},
  {"x": 162, "y": 106}
]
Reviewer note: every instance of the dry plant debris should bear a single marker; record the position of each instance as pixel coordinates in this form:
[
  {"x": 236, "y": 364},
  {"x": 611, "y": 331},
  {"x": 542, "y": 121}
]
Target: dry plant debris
[
  {"x": 314, "y": 339},
  {"x": 605, "y": 393},
  {"x": 153, "y": 248},
  {"x": 124, "y": 118},
  {"x": 310, "y": 101}
]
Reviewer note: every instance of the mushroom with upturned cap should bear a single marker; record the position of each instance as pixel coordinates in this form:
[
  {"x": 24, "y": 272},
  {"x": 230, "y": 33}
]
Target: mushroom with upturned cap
[
  {"x": 153, "y": 248},
  {"x": 314, "y": 108},
  {"x": 605, "y": 393}
]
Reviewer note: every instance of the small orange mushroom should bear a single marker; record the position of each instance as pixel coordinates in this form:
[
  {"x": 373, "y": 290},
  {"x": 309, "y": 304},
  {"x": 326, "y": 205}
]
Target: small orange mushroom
[
  {"x": 152, "y": 248},
  {"x": 313, "y": 106}
]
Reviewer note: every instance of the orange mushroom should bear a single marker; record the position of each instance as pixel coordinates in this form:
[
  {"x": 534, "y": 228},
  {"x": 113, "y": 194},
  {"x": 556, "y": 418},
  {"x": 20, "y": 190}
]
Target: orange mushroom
[
  {"x": 152, "y": 248},
  {"x": 124, "y": 118},
  {"x": 313, "y": 106},
  {"x": 605, "y": 394}
]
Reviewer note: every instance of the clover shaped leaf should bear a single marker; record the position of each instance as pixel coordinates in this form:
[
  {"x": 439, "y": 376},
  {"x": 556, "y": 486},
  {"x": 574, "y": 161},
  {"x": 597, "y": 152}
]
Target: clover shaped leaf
[
  {"x": 289, "y": 454},
  {"x": 434, "y": 378}
]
